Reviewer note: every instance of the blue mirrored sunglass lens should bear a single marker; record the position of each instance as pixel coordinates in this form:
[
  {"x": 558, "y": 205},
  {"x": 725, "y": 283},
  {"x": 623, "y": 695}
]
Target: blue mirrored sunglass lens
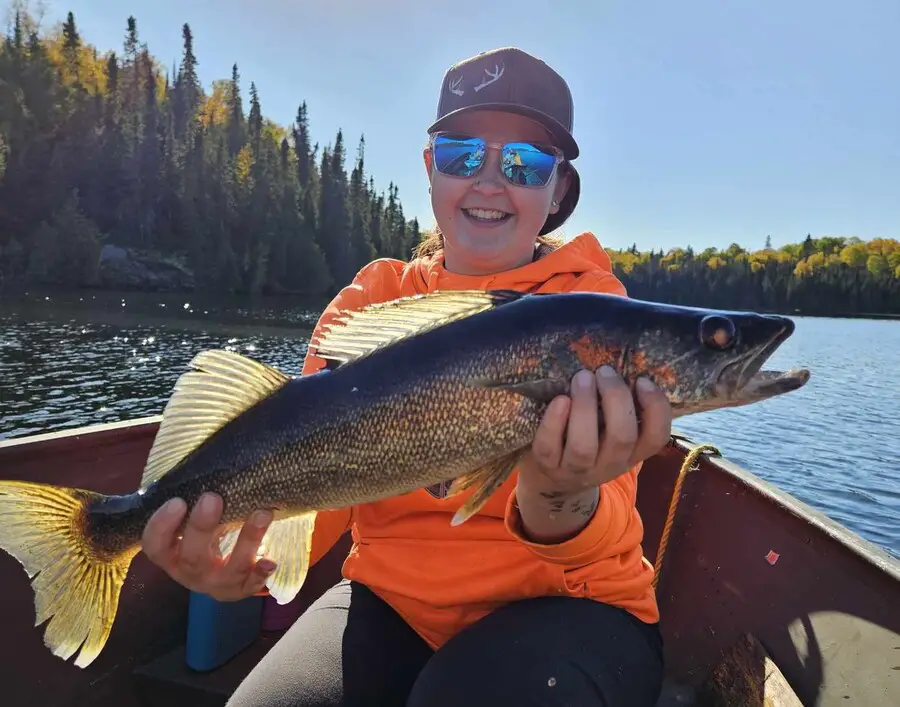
[
  {"x": 527, "y": 165},
  {"x": 523, "y": 163},
  {"x": 460, "y": 157}
]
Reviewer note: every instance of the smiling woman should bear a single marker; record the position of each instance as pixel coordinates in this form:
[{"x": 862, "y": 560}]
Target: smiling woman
[
  {"x": 543, "y": 596},
  {"x": 487, "y": 226}
]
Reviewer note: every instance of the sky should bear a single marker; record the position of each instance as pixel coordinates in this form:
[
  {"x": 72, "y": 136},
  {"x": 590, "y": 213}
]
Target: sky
[{"x": 700, "y": 122}]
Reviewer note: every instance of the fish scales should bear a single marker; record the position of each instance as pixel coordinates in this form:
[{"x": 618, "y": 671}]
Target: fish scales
[
  {"x": 443, "y": 387},
  {"x": 322, "y": 442}
]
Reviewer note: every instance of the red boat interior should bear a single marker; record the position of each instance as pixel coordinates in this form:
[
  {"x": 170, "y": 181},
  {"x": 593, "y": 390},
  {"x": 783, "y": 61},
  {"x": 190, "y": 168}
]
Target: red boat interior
[{"x": 741, "y": 558}]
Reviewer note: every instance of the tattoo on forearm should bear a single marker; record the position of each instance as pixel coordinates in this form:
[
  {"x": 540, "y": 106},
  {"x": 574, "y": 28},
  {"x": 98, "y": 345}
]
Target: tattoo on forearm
[
  {"x": 557, "y": 503},
  {"x": 584, "y": 507},
  {"x": 556, "y": 500},
  {"x": 553, "y": 494}
]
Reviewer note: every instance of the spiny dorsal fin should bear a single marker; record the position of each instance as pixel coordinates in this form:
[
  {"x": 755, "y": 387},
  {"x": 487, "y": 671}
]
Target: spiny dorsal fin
[
  {"x": 357, "y": 334},
  {"x": 222, "y": 385}
]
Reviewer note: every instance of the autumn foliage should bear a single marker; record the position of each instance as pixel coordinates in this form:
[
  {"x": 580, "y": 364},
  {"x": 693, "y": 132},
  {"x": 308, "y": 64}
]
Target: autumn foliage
[{"x": 828, "y": 275}]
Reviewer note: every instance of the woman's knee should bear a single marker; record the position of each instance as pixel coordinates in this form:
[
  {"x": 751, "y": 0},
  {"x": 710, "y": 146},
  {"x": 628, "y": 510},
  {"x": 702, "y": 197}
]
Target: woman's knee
[
  {"x": 548, "y": 652},
  {"x": 291, "y": 674},
  {"x": 349, "y": 649}
]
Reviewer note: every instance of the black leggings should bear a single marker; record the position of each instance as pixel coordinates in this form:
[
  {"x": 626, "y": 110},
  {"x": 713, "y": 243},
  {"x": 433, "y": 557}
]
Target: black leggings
[{"x": 351, "y": 649}]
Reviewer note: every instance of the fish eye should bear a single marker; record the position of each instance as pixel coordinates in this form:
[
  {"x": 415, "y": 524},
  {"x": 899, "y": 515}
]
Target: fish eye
[{"x": 717, "y": 332}]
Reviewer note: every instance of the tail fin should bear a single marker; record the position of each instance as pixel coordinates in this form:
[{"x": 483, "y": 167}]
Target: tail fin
[{"x": 76, "y": 585}]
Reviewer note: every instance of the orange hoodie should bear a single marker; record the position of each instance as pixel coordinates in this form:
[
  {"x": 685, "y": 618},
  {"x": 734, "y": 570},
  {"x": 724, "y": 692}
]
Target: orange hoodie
[{"x": 440, "y": 578}]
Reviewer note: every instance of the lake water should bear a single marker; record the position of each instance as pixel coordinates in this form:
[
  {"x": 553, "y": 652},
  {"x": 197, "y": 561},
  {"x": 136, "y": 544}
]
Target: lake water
[{"x": 72, "y": 360}]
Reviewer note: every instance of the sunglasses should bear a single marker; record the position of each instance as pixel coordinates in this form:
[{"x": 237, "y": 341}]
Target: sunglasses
[{"x": 524, "y": 164}]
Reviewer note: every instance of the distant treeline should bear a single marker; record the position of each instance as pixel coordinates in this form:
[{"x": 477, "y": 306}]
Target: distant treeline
[
  {"x": 106, "y": 148},
  {"x": 114, "y": 149},
  {"x": 819, "y": 276}
]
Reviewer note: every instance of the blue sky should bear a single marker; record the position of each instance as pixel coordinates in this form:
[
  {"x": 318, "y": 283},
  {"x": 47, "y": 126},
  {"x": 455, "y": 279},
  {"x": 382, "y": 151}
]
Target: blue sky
[{"x": 701, "y": 122}]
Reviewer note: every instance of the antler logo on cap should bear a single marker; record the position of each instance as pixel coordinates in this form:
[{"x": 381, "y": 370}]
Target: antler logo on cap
[
  {"x": 457, "y": 87},
  {"x": 491, "y": 76}
]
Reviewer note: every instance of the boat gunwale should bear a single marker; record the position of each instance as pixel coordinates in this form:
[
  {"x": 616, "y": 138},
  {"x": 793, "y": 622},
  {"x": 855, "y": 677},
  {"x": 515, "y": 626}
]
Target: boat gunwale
[
  {"x": 137, "y": 424},
  {"x": 849, "y": 539}
]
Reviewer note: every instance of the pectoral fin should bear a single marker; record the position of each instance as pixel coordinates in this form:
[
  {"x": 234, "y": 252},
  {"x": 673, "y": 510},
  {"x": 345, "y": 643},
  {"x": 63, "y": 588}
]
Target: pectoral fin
[
  {"x": 543, "y": 390},
  {"x": 485, "y": 481}
]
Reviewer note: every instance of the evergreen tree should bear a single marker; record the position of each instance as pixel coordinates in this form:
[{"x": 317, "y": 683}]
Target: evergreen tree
[
  {"x": 100, "y": 148},
  {"x": 108, "y": 148}
]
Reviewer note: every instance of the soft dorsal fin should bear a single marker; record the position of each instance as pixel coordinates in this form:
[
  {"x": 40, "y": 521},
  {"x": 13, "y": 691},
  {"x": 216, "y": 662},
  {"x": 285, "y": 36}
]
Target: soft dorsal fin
[
  {"x": 220, "y": 387},
  {"x": 358, "y": 333}
]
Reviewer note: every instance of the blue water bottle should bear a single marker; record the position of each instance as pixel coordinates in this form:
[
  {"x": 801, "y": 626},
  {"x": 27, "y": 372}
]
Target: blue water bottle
[{"x": 217, "y": 631}]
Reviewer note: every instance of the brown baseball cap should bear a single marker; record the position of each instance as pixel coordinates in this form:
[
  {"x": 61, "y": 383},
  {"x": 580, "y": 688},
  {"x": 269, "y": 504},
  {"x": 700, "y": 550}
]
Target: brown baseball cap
[{"x": 509, "y": 79}]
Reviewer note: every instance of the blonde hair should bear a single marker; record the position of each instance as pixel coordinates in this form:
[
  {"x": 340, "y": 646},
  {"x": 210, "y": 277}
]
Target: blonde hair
[{"x": 432, "y": 243}]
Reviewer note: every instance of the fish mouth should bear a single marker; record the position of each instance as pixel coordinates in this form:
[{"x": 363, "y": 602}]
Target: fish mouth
[
  {"x": 768, "y": 384},
  {"x": 743, "y": 381}
]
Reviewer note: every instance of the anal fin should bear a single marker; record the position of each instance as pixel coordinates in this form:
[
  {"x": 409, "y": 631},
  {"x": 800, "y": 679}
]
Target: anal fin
[
  {"x": 288, "y": 543},
  {"x": 485, "y": 481}
]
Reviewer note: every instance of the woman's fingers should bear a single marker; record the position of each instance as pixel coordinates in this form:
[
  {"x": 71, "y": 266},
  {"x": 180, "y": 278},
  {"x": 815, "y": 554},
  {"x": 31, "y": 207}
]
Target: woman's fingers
[
  {"x": 570, "y": 453},
  {"x": 620, "y": 431},
  {"x": 656, "y": 421},
  {"x": 547, "y": 446},
  {"x": 242, "y": 561},
  {"x": 159, "y": 541},
  {"x": 202, "y": 531},
  {"x": 194, "y": 560},
  {"x": 582, "y": 439},
  {"x": 256, "y": 579}
]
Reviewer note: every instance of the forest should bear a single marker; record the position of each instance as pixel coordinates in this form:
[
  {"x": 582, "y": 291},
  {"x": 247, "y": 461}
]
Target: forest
[
  {"x": 112, "y": 149},
  {"x": 827, "y": 276},
  {"x": 113, "y": 167}
]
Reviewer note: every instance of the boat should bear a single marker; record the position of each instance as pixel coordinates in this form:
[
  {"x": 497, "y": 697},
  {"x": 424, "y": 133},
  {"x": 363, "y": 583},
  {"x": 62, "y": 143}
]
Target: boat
[{"x": 758, "y": 592}]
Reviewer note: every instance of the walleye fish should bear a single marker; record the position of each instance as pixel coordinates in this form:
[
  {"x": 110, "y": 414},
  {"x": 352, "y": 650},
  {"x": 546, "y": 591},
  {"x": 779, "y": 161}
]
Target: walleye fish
[{"x": 449, "y": 386}]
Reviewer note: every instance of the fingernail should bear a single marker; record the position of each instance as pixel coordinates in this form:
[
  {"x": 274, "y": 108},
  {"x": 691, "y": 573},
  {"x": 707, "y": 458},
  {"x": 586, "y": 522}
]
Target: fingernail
[
  {"x": 607, "y": 372},
  {"x": 645, "y": 384},
  {"x": 266, "y": 566},
  {"x": 173, "y": 506},
  {"x": 207, "y": 504},
  {"x": 261, "y": 518},
  {"x": 583, "y": 380},
  {"x": 560, "y": 406}
]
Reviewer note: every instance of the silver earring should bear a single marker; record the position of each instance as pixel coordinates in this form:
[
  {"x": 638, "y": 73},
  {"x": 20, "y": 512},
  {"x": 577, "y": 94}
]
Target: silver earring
[{"x": 555, "y": 202}]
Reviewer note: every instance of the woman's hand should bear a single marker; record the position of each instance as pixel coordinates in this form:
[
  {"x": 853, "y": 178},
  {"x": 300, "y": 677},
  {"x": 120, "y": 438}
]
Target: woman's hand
[
  {"x": 194, "y": 561},
  {"x": 558, "y": 486}
]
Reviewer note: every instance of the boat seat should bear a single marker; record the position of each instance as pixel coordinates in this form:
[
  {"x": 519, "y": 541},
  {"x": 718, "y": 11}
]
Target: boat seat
[{"x": 168, "y": 681}]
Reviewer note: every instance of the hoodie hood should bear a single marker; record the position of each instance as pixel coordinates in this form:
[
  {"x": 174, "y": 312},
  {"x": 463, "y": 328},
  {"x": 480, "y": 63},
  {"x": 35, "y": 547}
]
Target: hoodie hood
[{"x": 557, "y": 271}]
